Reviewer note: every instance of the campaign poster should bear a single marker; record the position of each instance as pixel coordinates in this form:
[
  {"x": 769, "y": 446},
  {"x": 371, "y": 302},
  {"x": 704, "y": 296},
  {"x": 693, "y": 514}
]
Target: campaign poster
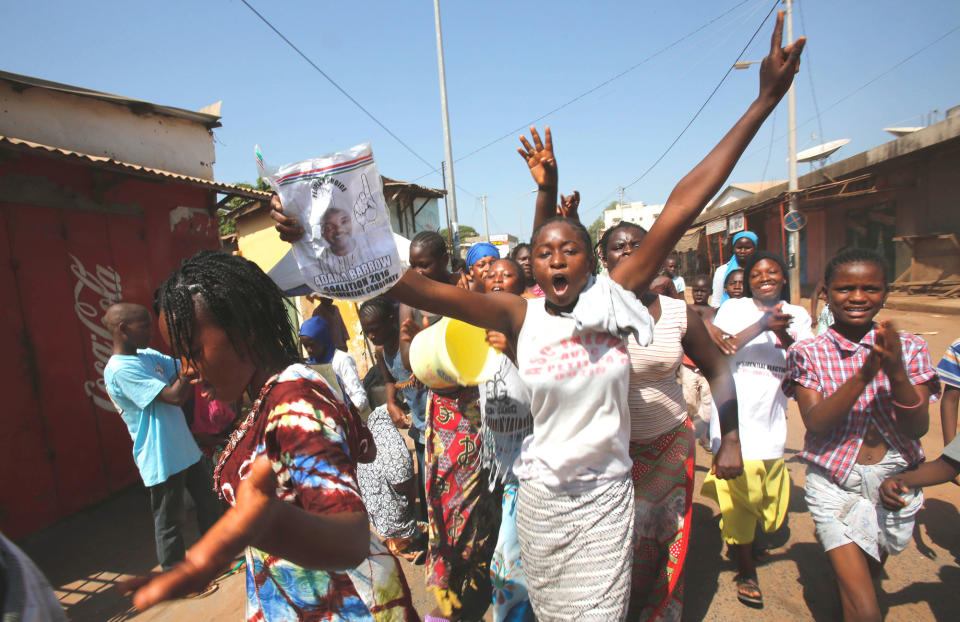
[{"x": 347, "y": 250}]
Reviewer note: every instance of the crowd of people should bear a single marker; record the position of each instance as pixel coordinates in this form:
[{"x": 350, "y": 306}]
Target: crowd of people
[{"x": 561, "y": 488}]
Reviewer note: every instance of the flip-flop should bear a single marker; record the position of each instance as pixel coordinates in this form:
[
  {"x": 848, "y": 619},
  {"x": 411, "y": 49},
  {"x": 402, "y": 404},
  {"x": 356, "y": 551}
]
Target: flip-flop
[
  {"x": 207, "y": 591},
  {"x": 748, "y": 592}
]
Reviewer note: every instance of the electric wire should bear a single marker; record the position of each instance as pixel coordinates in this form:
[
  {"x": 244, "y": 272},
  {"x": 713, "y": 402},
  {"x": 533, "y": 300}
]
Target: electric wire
[
  {"x": 702, "y": 106},
  {"x": 593, "y": 89},
  {"x": 334, "y": 83}
]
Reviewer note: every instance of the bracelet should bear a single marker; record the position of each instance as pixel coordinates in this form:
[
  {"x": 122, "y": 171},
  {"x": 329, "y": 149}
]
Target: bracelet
[{"x": 905, "y": 407}]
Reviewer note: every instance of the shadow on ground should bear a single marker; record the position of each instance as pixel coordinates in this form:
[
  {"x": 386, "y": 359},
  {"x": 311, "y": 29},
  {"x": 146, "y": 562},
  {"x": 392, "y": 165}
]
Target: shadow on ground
[{"x": 85, "y": 575}]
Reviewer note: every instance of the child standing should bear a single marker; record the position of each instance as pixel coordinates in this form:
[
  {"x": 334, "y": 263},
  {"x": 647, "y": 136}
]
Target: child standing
[
  {"x": 761, "y": 325},
  {"x": 949, "y": 370},
  {"x": 864, "y": 392},
  {"x": 147, "y": 389}
]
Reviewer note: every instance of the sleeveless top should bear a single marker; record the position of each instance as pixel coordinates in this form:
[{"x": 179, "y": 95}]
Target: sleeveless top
[
  {"x": 578, "y": 382},
  {"x": 656, "y": 398}
]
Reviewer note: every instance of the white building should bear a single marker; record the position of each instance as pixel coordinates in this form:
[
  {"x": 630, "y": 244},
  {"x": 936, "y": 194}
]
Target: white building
[
  {"x": 637, "y": 212},
  {"x": 735, "y": 192}
]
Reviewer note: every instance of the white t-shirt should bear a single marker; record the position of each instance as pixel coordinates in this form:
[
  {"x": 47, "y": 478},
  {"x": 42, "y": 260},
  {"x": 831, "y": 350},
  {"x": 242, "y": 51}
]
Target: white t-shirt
[
  {"x": 758, "y": 369},
  {"x": 578, "y": 381},
  {"x": 679, "y": 284},
  {"x": 345, "y": 367}
]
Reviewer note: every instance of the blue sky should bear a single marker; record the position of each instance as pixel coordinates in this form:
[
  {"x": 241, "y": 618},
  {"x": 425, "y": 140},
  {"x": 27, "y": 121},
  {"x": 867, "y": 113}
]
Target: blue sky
[{"x": 508, "y": 63}]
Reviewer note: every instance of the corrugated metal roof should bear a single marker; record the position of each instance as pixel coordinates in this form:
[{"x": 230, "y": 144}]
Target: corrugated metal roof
[
  {"x": 132, "y": 169},
  {"x": 139, "y": 106}
]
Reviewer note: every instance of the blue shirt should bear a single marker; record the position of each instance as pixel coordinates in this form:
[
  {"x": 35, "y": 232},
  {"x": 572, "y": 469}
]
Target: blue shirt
[
  {"x": 416, "y": 396},
  {"x": 949, "y": 366},
  {"x": 162, "y": 443}
]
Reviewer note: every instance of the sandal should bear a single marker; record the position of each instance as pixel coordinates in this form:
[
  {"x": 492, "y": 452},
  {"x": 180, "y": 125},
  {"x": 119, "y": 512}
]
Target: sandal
[{"x": 748, "y": 592}]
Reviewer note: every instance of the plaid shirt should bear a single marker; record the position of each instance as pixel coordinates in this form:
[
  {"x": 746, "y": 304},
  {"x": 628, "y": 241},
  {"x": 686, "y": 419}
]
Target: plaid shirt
[{"x": 823, "y": 364}]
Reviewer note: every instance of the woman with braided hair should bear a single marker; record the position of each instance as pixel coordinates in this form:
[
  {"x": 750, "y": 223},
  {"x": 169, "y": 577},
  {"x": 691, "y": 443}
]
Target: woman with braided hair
[{"x": 288, "y": 471}]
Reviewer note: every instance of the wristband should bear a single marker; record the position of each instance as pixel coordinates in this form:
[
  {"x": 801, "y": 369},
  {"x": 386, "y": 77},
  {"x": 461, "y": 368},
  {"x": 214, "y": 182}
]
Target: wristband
[{"x": 905, "y": 407}]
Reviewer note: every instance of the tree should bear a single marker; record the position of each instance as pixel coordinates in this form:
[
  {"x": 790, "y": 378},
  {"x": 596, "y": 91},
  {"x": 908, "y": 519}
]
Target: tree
[
  {"x": 595, "y": 230},
  {"x": 466, "y": 231},
  {"x": 229, "y": 225}
]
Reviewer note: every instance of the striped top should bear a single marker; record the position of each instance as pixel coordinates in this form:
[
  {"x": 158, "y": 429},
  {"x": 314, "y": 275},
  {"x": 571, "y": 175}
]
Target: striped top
[{"x": 655, "y": 396}]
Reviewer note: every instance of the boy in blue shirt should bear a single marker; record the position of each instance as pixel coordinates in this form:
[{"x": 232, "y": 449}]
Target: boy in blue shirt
[{"x": 147, "y": 389}]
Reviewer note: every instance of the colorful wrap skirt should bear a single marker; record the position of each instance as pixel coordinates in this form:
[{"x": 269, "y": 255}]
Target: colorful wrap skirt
[
  {"x": 510, "y": 600},
  {"x": 462, "y": 514},
  {"x": 663, "y": 492}
]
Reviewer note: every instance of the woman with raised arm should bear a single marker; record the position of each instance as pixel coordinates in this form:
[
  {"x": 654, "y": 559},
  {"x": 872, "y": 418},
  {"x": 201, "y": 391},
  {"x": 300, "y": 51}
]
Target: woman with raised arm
[
  {"x": 575, "y": 506},
  {"x": 661, "y": 437},
  {"x": 289, "y": 469}
]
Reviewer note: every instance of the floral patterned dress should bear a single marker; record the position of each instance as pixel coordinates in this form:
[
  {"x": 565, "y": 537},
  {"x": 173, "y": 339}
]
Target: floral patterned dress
[{"x": 312, "y": 441}]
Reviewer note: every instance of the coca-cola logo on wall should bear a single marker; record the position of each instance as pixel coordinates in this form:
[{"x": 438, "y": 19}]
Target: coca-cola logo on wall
[{"x": 93, "y": 294}]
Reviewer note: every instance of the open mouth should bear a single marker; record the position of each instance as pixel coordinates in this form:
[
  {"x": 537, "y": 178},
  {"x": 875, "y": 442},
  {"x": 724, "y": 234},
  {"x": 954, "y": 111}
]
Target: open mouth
[
  {"x": 857, "y": 311},
  {"x": 496, "y": 288},
  {"x": 560, "y": 284}
]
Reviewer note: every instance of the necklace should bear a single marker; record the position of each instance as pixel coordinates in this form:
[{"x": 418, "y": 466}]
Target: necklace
[{"x": 237, "y": 435}]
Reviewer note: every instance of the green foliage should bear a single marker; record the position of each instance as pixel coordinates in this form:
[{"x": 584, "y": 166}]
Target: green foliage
[
  {"x": 228, "y": 225},
  {"x": 466, "y": 231},
  {"x": 595, "y": 229}
]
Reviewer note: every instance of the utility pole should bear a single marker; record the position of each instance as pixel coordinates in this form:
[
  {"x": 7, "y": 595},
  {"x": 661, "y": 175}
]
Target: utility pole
[
  {"x": 446, "y": 205},
  {"x": 447, "y": 148},
  {"x": 620, "y": 200},
  {"x": 793, "y": 237},
  {"x": 486, "y": 225}
]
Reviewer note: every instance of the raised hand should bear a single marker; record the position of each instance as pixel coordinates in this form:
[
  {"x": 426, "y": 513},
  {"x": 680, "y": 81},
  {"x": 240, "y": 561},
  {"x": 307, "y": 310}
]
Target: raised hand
[
  {"x": 568, "y": 206},
  {"x": 776, "y": 320},
  {"x": 539, "y": 157},
  {"x": 779, "y": 67},
  {"x": 288, "y": 227},
  {"x": 890, "y": 347},
  {"x": 409, "y": 329}
]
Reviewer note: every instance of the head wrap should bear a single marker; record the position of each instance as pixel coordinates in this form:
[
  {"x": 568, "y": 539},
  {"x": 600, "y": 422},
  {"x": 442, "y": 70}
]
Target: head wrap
[
  {"x": 480, "y": 250},
  {"x": 317, "y": 329},
  {"x": 733, "y": 264}
]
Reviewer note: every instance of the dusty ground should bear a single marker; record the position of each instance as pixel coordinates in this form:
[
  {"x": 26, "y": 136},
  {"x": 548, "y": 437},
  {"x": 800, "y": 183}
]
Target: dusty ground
[{"x": 87, "y": 554}]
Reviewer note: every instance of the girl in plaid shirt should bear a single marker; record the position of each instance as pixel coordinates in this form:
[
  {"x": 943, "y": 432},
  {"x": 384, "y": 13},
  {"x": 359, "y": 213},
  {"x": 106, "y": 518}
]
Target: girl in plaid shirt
[{"x": 864, "y": 392}]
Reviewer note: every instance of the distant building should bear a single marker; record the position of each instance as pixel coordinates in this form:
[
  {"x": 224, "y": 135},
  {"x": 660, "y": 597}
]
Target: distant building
[
  {"x": 735, "y": 192},
  {"x": 504, "y": 242},
  {"x": 637, "y": 212}
]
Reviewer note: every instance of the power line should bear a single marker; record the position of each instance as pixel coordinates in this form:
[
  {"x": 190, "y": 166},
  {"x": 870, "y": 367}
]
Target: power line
[
  {"x": 867, "y": 83},
  {"x": 807, "y": 57},
  {"x": 338, "y": 87},
  {"x": 704, "y": 105},
  {"x": 593, "y": 89}
]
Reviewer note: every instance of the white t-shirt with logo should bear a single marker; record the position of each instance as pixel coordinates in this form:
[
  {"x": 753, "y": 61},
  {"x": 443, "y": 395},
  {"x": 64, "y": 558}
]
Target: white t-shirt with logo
[
  {"x": 758, "y": 369},
  {"x": 578, "y": 376}
]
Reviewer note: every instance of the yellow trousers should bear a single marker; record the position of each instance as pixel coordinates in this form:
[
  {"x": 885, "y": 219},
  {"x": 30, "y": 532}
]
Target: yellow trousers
[{"x": 760, "y": 493}]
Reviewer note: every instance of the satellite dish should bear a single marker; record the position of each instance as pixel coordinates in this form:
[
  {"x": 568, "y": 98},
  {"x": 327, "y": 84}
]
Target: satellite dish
[
  {"x": 821, "y": 151},
  {"x": 902, "y": 131}
]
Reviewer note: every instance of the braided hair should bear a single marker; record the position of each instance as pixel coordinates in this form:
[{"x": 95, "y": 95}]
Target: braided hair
[
  {"x": 854, "y": 255},
  {"x": 381, "y": 308},
  {"x": 430, "y": 241},
  {"x": 605, "y": 238},
  {"x": 239, "y": 298}
]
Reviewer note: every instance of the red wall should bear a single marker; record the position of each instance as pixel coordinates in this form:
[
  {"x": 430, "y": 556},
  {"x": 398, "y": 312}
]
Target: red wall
[{"x": 73, "y": 241}]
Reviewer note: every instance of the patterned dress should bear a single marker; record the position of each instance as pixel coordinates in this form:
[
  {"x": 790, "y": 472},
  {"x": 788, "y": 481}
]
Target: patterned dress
[
  {"x": 463, "y": 516},
  {"x": 312, "y": 441}
]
